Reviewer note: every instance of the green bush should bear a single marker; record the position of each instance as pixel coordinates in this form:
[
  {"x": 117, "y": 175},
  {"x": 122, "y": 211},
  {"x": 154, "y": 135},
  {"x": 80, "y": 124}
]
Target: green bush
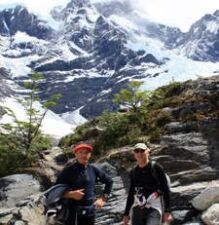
[
  {"x": 115, "y": 125},
  {"x": 21, "y": 141},
  {"x": 13, "y": 155},
  {"x": 163, "y": 118},
  {"x": 78, "y": 135},
  {"x": 155, "y": 134},
  {"x": 167, "y": 96}
]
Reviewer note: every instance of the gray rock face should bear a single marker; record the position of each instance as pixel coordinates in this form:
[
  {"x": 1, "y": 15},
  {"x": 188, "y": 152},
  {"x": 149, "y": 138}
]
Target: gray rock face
[
  {"x": 113, "y": 210},
  {"x": 19, "y": 19},
  {"x": 191, "y": 157},
  {"x": 29, "y": 211},
  {"x": 15, "y": 188},
  {"x": 190, "y": 149},
  {"x": 206, "y": 198},
  {"x": 169, "y": 35},
  {"x": 77, "y": 3},
  {"x": 195, "y": 43},
  {"x": 211, "y": 215},
  {"x": 113, "y": 7},
  {"x": 5, "y": 89},
  {"x": 2, "y": 111},
  {"x": 47, "y": 169}
]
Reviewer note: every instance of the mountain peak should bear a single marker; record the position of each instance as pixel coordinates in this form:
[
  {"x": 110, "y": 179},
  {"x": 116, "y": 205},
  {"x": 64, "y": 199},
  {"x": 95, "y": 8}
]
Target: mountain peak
[
  {"x": 101, "y": 25},
  {"x": 78, "y": 3},
  {"x": 20, "y": 19},
  {"x": 216, "y": 13},
  {"x": 114, "y": 7}
]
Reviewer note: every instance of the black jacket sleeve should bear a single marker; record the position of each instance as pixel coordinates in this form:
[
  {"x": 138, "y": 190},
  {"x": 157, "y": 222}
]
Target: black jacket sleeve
[
  {"x": 164, "y": 187},
  {"x": 105, "y": 179},
  {"x": 130, "y": 198}
]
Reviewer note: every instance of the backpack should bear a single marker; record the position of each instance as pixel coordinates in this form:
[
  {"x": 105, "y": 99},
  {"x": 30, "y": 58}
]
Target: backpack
[{"x": 155, "y": 175}]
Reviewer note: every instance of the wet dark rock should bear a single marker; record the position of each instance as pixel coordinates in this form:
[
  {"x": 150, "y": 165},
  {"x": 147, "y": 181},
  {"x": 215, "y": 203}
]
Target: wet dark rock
[{"x": 16, "y": 187}]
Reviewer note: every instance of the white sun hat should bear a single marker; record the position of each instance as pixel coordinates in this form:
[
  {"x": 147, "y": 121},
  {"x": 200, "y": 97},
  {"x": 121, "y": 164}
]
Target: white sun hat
[{"x": 141, "y": 146}]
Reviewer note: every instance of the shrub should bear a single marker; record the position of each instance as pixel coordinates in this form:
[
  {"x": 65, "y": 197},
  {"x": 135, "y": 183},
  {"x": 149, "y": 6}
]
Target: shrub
[{"x": 21, "y": 141}]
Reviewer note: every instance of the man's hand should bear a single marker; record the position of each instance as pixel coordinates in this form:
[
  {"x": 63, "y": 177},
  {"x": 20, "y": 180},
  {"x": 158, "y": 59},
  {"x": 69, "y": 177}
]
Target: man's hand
[
  {"x": 99, "y": 203},
  {"x": 167, "y": 218},
  {"x": 125, "y": 220},
  {"x": 76, "y": 195}
]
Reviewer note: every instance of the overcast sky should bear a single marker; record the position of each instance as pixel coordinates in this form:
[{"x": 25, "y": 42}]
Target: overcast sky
[{"x": 180, "y": 13}]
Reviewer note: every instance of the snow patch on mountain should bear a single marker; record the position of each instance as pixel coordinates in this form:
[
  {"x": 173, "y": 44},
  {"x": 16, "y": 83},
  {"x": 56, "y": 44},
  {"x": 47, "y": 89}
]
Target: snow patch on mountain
[
  {"x": 93, "y": 73},
  {"x": 178, "y": 68},
  {"x": 66, "y": 53},
  {"x": 92, "y": 14},
  {"x": 18, "y": 67},
  {"x": 22, "y": 37},
  {"x": 74, "y": 118},
  {"x": 77, "y": 48},
  {"x": 138, "y": 38},
  {"x": 212, "y": 27},
  {"x": 150, "y": 45},
  {"x": 52, "y": 124},
  {"x": 124, "y": 22}
]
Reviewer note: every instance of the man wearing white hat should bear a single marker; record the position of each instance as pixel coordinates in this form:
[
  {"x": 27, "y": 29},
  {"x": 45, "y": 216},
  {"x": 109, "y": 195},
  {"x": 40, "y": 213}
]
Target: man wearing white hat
[{"x": 149, "y": 192}]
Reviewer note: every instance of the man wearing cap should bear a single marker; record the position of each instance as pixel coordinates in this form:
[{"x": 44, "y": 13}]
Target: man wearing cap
[
  {"x": 149, "y": 195},
  {"x": 81, "y": 178}
]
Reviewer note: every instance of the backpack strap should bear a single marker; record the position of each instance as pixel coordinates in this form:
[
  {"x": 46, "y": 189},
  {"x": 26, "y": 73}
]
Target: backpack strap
[
  {"x": 154, "y": 172},
  {"x": 132, "y": 174},
  {"x": 156, "y": 177}
]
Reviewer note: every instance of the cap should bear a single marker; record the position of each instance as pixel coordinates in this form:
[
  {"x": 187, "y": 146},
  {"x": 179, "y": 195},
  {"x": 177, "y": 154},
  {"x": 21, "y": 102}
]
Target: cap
[
  {"x": 82, "y": 146},
  {"x": 141, "y": 146}
]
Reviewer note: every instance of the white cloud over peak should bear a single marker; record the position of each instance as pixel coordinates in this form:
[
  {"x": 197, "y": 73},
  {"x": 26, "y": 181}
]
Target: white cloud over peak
[{"x": 179, "y": 13}]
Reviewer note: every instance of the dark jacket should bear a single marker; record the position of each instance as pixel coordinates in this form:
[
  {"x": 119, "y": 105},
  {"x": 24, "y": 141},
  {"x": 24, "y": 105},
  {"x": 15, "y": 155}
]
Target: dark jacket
[
  {"x": 78, "y": 176},
  {"x": 143, "y": 179},
  {"x": 54, "y": 203}
]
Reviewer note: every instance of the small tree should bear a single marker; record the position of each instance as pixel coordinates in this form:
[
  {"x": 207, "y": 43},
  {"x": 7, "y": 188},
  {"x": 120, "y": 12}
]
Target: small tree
[
  {"x": 22, "y": 140},
  {"x": 132, "y": 97}
]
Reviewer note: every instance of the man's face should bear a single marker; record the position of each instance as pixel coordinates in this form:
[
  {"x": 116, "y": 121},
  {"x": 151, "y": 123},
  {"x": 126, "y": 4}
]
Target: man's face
[
  {"x": 141, "y": 154},
  {"x": 83, "y": 156}
]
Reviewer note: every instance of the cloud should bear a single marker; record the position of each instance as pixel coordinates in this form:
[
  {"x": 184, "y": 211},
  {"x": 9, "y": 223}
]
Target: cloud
[
  {"x": 41, "y": 7},
  {"x": 179, "y": 13}
]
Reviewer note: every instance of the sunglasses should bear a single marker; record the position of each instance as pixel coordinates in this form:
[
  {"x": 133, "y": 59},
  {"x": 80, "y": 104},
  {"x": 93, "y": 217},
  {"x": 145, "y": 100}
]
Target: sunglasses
[{"x": 139, "y": 151}]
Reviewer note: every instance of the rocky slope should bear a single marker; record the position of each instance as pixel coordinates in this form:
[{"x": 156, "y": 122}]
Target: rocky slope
[
  {"x": 187, "y": 149},
  {"x": 24, "y": 209}
]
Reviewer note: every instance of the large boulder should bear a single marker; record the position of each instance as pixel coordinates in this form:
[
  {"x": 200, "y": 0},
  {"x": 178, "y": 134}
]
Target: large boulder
[
  {"x": 29, "y": 211},
  {"x": 14, "y": 188},
  {"x": 206, "y": 198},
  {"x": 49, "y": 166},
  {"x": 211, "y": 215}
]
